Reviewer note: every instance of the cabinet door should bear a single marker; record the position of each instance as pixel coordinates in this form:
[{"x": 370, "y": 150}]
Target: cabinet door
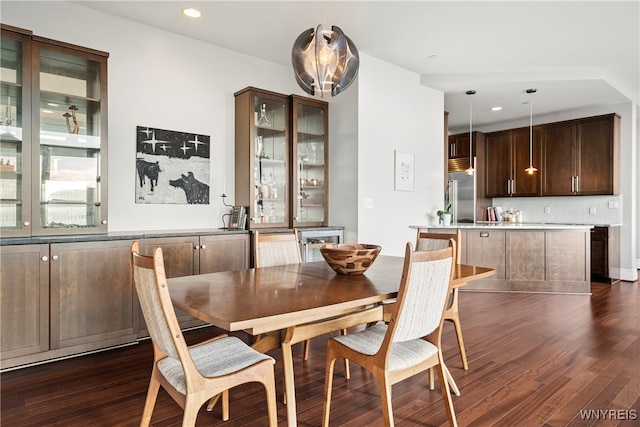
[
  {"x": 497, "y": 164},
  {"x": 24, "y": 300},
  {"x": 567, "y": 257},
  {"x": 459, "y": 146},
  {"x": 181, "y": 258},
  {"x": 224, "y": 253},
  {"x": 68, "y": 163},
  {"x": 595, "y": 160},
  {"x": 262, "y": 154},
  {"x": 92, "y": 296},
  {"x": 525, "y": 255},
  {"x": 15, "y": 134},
  {"x": 525, "y": 184},
  {"x": 558, "y": 159},
  {"x": 487, "y": 249},
  {"x": 310, "y": 152}
]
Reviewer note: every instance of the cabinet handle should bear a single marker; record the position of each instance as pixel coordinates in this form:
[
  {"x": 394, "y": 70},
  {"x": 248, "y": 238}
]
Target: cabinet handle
[
  {"x": 44, "y": 258},
  {"x": 577, "y": 184},
  {"x": 104, "y": 222},
  {"x": 203, "y": 246},
  {"x": 484, "y": 234},
  {"x": 196, "y": 247},
  {"x": 513, "y": 186},
  {"x": 572, "y": 184},
  {"x": 55, "y": 257},
  {"x": 26, "y": 223}
]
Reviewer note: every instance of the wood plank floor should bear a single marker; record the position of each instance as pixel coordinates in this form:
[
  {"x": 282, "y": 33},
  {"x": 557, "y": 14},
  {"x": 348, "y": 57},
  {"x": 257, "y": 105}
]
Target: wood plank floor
[{"x": 534, "y": 360}]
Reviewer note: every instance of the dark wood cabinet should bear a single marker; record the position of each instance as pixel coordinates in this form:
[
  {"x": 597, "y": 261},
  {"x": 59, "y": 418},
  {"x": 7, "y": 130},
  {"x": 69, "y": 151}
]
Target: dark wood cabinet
[
  {"x": 24, "y": 300},
  {"x": 506, "y": 158},
  {"x": 459, "y": 146},
  {"x": 582, "y": 157}
]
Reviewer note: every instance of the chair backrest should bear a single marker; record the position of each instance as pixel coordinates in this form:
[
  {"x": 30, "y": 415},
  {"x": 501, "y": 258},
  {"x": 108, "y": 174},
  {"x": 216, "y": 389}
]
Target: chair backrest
[
  {"x": 153, "y": 293},
  {"x": 276, "y": 249},
  {"x": 426, "y": 241},
  {"x": 424, "y": 289}
]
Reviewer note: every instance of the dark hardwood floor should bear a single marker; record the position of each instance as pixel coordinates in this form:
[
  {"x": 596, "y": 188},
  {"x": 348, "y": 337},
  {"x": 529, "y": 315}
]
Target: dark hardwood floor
[{"x": 534, "y": 360}]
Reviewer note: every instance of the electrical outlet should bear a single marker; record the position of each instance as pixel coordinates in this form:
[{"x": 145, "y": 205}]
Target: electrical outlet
[
  {"x": 547, "y": 209},
  {"x": 368, "y": 203},
  {"x": 592, "y": 210},
  {"x": 613, "y": 204}
]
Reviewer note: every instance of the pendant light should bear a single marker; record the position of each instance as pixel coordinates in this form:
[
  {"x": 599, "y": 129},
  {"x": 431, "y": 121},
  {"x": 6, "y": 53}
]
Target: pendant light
[
  {"x": 531, "y": 169},
  {"x": 470, "y": 170},
  {"x": 324, "y": 61}
]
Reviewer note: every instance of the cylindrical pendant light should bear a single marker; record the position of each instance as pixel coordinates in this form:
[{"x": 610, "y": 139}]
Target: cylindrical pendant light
[
  {"x": 470, "y": 170},
  {"x": 531, "y": 169}
]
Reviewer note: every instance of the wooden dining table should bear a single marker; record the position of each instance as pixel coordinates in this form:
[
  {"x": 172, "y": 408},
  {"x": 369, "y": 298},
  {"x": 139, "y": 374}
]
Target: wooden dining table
[{"x": 291, "y": 303}]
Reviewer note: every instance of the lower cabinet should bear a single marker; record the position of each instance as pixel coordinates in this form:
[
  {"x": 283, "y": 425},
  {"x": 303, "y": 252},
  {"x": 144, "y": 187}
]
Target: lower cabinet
[
  {"x": 184, "y": 256},
  {"x": 24, "y": 302},
  {"x": 63, "y": 299}
]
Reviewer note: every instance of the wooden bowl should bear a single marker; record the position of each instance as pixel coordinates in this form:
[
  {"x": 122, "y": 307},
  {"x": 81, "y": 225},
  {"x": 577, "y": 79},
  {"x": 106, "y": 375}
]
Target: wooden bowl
[{"x": 350, "y": 258}]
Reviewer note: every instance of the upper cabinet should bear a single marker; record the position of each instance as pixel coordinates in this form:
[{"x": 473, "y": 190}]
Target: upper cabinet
[
  {"x": 310, "y": 174},
  {"x": 459, "y": 146},
  {"x": 506, "y": 158},
  {"x": 53, "y": 146},
  {"x": 280, "y": 159},
  {"x": 582, "y": 156}
]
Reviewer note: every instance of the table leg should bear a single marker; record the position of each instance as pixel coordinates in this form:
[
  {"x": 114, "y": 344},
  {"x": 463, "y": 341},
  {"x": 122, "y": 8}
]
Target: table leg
[{"x": 289, "y": 383}]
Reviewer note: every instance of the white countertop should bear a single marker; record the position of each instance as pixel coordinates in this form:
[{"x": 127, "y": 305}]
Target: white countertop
[{"x": 507, "y": 226}]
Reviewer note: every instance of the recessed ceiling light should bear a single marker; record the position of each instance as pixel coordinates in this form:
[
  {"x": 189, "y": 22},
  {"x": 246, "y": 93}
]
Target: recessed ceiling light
[
  {"x": 191, "y": 12},
  {"x": 496, "y": 108}
]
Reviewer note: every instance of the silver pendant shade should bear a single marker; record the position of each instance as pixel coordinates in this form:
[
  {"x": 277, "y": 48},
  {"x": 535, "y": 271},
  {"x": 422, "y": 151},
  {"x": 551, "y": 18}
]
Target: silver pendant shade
[{"x": 324, "y": 61}]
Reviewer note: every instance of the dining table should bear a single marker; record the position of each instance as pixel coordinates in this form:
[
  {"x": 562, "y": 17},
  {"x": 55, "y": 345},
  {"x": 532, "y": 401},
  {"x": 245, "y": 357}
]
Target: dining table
[{"x": 287, "y": 304}]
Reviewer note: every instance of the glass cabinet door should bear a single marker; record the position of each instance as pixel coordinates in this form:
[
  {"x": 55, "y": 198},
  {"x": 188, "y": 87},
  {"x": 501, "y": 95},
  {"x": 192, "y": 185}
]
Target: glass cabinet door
[
  {"x": 15, "y": 198},
  {"x": 70, "y": 162},
  {"x": 271, "y": 162},
  {"x": 310, "y": 123}
]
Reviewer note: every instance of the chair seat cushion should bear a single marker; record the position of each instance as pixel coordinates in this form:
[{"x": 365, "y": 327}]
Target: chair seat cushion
[
  {"x": 403, "y": 354},
  {"x": 213, "y": 359}
]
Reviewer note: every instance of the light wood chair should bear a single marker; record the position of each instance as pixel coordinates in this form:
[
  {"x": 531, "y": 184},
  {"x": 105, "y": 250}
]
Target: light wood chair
[
  {"x": 428, "y": 241},
  {"x": 192, "y": 375},
  {"x": 411, "y": 342}
]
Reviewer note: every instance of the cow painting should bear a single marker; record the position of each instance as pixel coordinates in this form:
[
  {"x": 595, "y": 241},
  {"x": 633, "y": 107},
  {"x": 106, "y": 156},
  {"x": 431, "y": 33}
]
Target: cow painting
[
  {"x": 148, "y": 170},
  {"x": 197, "y": 192}
]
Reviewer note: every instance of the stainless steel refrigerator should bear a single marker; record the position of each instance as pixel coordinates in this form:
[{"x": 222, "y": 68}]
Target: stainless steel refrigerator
[{"x": 462, "y": 195}]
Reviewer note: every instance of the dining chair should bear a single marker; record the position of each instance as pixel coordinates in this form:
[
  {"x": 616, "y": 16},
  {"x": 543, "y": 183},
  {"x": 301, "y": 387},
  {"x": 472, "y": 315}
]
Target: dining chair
[
  {"x": 411, "y": 341},
  {"x": 428, "y": 241},
  {"x": 192, "y": 374}
]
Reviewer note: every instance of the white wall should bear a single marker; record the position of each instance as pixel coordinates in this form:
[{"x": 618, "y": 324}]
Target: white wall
[
  {"x": 395, "y": 112},
  {"x": 161, "y": 80}
]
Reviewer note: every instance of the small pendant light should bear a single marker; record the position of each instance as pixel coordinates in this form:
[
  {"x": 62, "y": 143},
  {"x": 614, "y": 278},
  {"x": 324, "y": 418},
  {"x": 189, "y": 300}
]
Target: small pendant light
[
  {"x": 531, "y": 169},
  {"x": 470, "y": 170}
]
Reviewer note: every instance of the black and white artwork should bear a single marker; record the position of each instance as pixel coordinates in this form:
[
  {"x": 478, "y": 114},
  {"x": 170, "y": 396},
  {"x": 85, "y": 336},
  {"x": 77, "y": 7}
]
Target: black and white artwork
[{"x": 172, "y": 167}]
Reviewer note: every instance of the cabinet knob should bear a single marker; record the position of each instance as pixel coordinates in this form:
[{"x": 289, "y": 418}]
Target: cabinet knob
[
  {"x": 203, "y": 247},
  {"x": 196, "y": 247},
  {"x": 26, "y": 223},
  {"x": 44, "y": 258},
  {"x": 55, "y": 257},
  {"x": 104, "y": 222}
]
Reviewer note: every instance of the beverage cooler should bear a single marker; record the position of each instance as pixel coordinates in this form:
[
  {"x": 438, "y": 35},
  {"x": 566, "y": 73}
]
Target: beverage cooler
[{"x": 311, "y": 239}]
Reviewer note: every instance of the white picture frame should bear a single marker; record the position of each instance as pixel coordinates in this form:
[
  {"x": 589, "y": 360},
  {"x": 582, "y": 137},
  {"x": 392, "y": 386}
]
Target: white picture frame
[{"x": 404, "y": 171}]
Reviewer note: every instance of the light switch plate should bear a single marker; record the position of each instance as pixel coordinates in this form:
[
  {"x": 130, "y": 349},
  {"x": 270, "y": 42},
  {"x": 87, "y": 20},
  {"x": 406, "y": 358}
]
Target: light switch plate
[
  {"x": 368, "y": 203},
  {"x": 613, "y": 204},
  {"x": 592, "y": 210}
]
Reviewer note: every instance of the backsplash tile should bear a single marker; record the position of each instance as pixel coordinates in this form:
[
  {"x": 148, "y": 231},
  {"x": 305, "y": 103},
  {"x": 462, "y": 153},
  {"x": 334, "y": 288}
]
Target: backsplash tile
[{"x": 566, "y": 210}]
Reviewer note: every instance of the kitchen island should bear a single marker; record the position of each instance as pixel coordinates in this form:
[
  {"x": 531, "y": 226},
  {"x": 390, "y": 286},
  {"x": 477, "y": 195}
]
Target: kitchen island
[{"x": 527, "y": 257}]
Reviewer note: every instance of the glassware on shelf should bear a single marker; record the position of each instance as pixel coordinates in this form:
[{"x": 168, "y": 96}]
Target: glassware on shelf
[
  {"x": 314, "y": 149},
  {"x": 263, "y": 122},
  {"x": 260, "y": 148}
]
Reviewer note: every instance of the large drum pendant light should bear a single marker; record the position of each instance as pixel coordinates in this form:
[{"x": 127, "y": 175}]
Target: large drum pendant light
[
  {"x": 324, "y": 61},
  {"x": 531, "y": 169},
  {"x": 470, "y": 170}
]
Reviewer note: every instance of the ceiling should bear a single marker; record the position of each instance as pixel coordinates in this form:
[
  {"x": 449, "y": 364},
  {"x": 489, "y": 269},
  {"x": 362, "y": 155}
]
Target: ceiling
[{"x": 575, "y": 53}]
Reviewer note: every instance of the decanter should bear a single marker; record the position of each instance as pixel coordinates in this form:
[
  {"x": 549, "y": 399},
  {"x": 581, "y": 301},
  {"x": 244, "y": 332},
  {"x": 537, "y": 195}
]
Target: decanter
[{"x": 263, "y": 122}]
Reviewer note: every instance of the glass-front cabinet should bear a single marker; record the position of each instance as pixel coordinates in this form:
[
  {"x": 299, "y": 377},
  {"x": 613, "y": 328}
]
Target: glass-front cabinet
[
  {"x": 310, "y": 174},
  {"x": 59, "y": 157},
  {"x": 262, "y": 157}
]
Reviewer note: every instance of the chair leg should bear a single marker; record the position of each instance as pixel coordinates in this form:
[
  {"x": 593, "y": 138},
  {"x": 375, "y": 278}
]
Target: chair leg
[
  {"x": 431, "y": 379},
  {"x": 446, "y": 394},
  {"x": 451, "y": 313},
  {"x": 347, "y": 370},
  {"x": 270, "y": 389},
  {"x": 328, "y": 385},
  {"x": 191, "y": 409},
  {"x": 306, "y": 350},
  {"x": 150, "y": 402},
  {"x": 463, "y": 353},
  {"x": 385, "y": 396}
]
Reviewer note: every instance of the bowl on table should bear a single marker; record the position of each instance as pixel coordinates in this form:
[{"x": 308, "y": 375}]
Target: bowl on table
[{"x": 350, "y": 258}]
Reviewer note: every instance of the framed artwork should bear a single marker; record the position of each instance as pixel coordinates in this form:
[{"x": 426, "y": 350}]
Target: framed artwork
[
  {"x": 172, "y": 167},
  {"x": 404, "y": 165}
]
